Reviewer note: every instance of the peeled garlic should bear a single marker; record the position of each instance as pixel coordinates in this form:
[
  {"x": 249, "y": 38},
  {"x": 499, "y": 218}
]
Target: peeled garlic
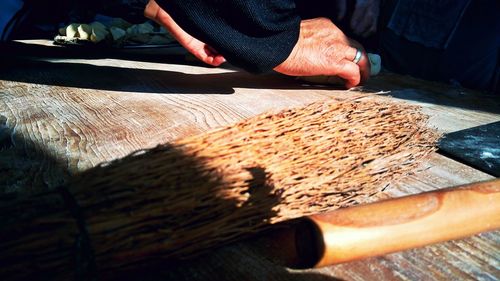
[
  {"x": 99, "y": 32},
  {"x": 98, "y": 35},
  {"x": 72, "y": 31},
  {"x": 84, "y": 31}
]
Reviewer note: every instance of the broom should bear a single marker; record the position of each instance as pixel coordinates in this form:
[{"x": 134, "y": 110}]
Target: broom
[{"x": 177, "y": 199}]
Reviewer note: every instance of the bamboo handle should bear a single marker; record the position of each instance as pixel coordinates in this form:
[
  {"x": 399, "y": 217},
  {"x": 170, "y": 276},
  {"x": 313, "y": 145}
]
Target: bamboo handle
[{"x": 399, "y": 224}]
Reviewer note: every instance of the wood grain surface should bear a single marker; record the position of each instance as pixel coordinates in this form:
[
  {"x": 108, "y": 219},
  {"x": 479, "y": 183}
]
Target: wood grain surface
[{"x": 64, "y": 111}]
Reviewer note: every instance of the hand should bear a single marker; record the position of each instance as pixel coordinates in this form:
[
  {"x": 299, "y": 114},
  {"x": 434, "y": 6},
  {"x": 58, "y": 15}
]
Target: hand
[
  {"x": 323, "y": 49},
  {"x": 199, "y": 49},
  {"x": 365, "y": 16}
]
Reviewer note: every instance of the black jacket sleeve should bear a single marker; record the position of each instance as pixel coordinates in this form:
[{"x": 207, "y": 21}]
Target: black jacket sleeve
[{"x": 256, "y": 35}]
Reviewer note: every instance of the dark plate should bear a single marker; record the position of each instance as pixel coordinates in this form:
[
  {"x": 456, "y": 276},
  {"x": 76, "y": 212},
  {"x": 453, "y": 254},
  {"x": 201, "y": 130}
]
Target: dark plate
[{"x": 478, "y": 147}]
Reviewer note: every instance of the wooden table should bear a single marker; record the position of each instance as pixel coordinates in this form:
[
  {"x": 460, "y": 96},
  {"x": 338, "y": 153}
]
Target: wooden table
[{"x": 63, "y": 111}]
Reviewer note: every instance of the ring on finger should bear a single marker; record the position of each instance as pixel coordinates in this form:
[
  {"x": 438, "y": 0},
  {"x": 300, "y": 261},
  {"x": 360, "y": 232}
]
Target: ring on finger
[{"x": 357, "y": 58}]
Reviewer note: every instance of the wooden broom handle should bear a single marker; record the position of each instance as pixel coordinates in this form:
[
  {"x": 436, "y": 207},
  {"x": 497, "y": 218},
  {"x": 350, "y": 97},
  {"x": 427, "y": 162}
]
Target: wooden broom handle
[{"x": 399, "y": 224}]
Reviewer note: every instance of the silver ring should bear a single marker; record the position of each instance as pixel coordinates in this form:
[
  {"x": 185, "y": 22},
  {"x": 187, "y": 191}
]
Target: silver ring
[{"x": 357, "y": 58}]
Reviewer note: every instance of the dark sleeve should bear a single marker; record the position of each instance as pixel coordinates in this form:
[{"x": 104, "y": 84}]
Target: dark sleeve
[
  {"x": 429, "y": 23},
  {"x": 256, "y": 35}
]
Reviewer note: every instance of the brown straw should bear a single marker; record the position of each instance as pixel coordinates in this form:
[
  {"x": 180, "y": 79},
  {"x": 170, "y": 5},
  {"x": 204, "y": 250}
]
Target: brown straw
[{"x": 198, "y": 192}]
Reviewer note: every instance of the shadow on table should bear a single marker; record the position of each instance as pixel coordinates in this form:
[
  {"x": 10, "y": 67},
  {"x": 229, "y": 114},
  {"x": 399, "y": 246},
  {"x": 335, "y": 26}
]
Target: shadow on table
[
  {"x": 156, "y": 198},
  {"x": 222, "y": 268},
  {"x": 172, "y": 55},
  {"x": 29, "y": 63},
  {"x": 26, "y": 166},
  {"x": 269, "y": 255},
  {"x": 88, "y": 76}
]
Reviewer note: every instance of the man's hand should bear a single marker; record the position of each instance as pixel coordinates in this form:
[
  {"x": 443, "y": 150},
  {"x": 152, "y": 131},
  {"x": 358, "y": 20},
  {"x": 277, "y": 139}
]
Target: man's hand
[
  {"x": 323, "y": 49},
  {"x": 199, "y": 49}
]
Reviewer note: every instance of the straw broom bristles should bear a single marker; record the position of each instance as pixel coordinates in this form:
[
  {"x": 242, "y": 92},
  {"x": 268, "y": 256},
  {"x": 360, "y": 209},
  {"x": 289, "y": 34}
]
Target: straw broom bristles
[{"x": 177, "y": 199}]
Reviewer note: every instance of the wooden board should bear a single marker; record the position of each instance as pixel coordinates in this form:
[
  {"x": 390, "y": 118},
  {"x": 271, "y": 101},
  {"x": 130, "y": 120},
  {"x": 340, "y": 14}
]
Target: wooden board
[{"x": 64, "y": 112}]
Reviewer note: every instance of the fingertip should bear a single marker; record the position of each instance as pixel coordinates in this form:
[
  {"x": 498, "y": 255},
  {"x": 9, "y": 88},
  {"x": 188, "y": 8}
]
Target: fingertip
[
  {"x": 212, "y": 57},
  {"x": 218, "y": 60},
  {"x": 151, "y": 10},
  {"x": 349, "y": 85},
  {"x": 202, "y": 56},
  {"x": 213, "y": 60},
  {"x": 350, "y": 73},
  {"x": 209, "y": 60}
]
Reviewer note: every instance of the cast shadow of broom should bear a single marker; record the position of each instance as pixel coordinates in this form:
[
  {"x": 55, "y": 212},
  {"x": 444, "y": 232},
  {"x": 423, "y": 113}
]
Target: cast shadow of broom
[{"x": 146, "y": 212}]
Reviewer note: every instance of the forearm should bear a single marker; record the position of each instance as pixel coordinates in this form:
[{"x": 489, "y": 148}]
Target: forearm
[{"x": 256, "y": 35}]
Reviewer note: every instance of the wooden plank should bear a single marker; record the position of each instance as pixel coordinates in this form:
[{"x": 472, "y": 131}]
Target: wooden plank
[
  {"x": 71, "y": 115},
  {"x": 450, "y": 108},
  {"x": 60, "y": 116},
  {"x": 61, "y": 104}
]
